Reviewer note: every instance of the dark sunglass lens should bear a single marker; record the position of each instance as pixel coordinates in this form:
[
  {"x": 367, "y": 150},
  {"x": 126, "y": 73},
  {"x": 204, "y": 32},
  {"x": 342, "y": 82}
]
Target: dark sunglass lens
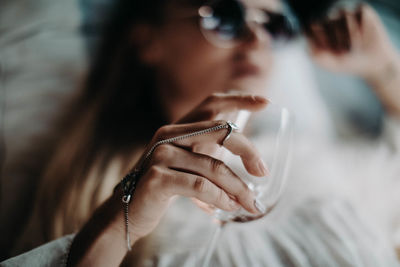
[
  {"x": 279, "y": 26},
  {"x": 226, "y": 17}
]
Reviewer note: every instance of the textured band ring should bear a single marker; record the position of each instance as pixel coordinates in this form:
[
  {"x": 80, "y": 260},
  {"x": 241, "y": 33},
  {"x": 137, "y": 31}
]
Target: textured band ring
[{"x": 230, "y": 126}]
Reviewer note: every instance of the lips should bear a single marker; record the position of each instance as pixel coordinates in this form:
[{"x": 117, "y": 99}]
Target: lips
[
  {"x": 245, "y": 69},
  {"x": 244, "y": 66}
]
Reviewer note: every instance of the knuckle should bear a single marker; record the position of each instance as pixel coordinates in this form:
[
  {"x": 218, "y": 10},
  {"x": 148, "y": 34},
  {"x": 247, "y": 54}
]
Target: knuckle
[
  {"x": 200, "y": 185},
  {"x": 158, "y": 184},
  {"x": 245, "y": 194},
  {"x": 366, "y": 9},
  {"x": 155, "y": 175},
  {"x": 182, "y": 181},
  {"x": 155, "y": 171},
  {"x": 212, "y": 98},
  {"x": 162, "y": 152},
  {"x": 219, "y": 122},
  {"x": 162, "y": 132},
  {"x": 221, "y": 197},
  {"x": 217, "y": 166},
  {"x": 369, "y": 14}
]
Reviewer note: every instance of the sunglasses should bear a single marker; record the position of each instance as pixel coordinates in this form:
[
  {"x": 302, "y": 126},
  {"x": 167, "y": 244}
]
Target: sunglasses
[{"x": 225, "y": 23}]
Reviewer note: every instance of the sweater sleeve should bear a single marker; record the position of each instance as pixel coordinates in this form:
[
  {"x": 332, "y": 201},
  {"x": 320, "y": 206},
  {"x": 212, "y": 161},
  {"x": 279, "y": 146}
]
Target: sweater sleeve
[{"x": 54, "y": 253}]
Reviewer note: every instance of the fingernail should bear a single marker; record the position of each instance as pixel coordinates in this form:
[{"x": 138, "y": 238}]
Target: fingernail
[
  {"x": 259, "y": 206},
  {"x": 261, "y": 99},
  {"x": 263, "y": 167},
  {"x": 233, "y": 204}
]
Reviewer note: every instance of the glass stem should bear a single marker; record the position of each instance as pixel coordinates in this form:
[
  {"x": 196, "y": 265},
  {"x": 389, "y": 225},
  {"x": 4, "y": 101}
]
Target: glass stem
[{"x": 211, "y": 246}]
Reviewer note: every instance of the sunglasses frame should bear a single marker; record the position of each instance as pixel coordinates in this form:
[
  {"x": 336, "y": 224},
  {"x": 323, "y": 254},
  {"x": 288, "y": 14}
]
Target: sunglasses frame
[{"x": 208, "y": 23}]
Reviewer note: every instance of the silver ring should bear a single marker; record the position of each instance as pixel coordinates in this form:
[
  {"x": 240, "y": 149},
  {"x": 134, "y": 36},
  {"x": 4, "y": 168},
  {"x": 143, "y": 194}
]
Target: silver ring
[{"x": 231, "y": 127}]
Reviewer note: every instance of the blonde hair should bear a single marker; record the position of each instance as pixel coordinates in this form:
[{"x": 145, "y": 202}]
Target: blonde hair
[
  {"x": 78, "y": 178},
  {"x": 102, "y": 138}
]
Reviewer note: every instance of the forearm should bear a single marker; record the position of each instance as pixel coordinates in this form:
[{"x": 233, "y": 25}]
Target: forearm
[
  {"x": 385, "y": 79},
  {"x": 102, "y": 241}
]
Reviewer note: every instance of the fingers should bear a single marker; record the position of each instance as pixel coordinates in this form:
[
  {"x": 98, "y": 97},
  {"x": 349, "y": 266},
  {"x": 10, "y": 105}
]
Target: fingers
[
  {"x": 204, "y": 206},
  {"x": 224, "y": 103},
  {"x": 173, "y": 182},
  {"x": 354, "y": 29},
  {"x": 347, "y": 30},
  {"x": 317, "y": 36},
  {"x": 359, "y": 14},
  {"x": 337, "y": 34},
  {"x": 238, "y": 144},
  {"x": 214, "y": 170},
  {"x": 341, "y": 33},
  {"x": 332, "y": 35}
]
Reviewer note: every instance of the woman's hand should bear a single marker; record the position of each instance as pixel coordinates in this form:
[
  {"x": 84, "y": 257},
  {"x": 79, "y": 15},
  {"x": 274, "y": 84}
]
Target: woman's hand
[
  {"x": 353, "y": 42},
  {"x": 356, "y": 43},
  {"x": 179, "y": 169},
  {"x": 174, "y": 169}
]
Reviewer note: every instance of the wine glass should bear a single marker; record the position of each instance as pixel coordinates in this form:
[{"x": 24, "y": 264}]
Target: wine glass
[
  {"x": 270, "y": 131},
  {"x": 185, "y": 236}
]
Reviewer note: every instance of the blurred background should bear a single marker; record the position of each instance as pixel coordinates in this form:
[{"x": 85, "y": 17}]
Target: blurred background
[{"x": 46, "y": 46}]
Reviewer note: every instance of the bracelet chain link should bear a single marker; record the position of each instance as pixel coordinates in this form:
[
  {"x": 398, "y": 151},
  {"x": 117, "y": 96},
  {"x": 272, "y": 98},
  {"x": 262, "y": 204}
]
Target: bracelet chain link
[{"x": 129, "y": 182}]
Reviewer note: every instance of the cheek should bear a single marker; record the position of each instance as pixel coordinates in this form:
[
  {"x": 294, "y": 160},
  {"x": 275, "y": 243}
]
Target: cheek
[
  {"x": 196, "y": 66},
  {"x": 195, "y": 69}
]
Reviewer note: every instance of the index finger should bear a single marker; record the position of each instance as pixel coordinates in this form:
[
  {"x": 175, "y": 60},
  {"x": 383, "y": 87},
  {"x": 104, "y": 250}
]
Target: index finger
[
  {"x": 224, "y": 103},
  {"x": 238, "y": 144}
]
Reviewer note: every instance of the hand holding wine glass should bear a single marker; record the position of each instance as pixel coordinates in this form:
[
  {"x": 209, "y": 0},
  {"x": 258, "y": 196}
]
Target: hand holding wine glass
[
  {"x": 171, "y": 166},
  {"x": 270, "y": 131}
]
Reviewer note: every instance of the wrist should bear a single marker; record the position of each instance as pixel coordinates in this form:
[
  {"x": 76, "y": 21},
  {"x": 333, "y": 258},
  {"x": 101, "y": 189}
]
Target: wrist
[
  {"x": 386, "y": 84},
  {"x": 102, "y": 239},
  {"x": 119, "y": 223},
  {"x": 384, "y": 71}
]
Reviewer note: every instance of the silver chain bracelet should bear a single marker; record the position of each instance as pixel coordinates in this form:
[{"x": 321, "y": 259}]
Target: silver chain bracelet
[{"x": 129, "y": 182}]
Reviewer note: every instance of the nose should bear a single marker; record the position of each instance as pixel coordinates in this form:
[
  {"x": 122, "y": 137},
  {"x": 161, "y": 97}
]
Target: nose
[{"x": 255, "y": 35}]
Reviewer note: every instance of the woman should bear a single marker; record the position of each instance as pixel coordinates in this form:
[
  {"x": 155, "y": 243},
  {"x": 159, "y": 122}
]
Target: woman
[
  {"x": 168, "y": 67},
  {"x": 147, "y": 75}
]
